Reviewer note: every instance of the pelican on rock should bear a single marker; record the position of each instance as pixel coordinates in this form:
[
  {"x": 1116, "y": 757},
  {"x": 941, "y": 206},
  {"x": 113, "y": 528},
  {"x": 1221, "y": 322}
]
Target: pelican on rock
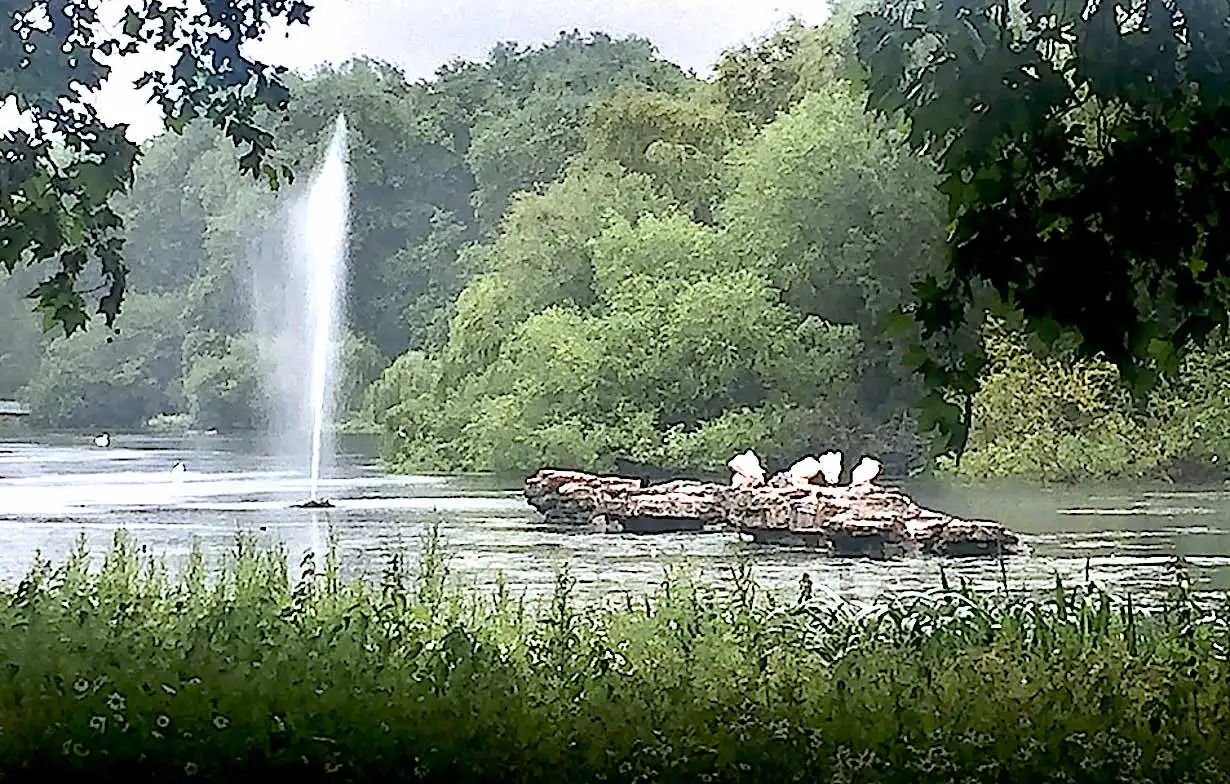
[
  {"x": 865, "y": 471},
  {"x": 747, "y": 470},
  {"x": 802, "y": 472},
  {"x": 830, "y": 467}
]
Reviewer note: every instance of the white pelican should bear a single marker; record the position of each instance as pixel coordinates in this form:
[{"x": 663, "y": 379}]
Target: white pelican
[
  {"x": 747, "y": 469},
  {"x": 830, "y": 467},
  {"x": 104, "y": 440},
  {"x": 802, "y": 472},
  {"x": 865, "y": 471}
]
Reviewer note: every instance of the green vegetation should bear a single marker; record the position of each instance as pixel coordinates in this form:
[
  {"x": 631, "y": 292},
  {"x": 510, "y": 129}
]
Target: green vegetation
[
  {"x": 63, "y": 166},
  {"x": 1080, "y": 148},
  {"x": 1063, "y": 417},
  {"x": 574, "y": 253},
  {"x": 127, "y": 671}
]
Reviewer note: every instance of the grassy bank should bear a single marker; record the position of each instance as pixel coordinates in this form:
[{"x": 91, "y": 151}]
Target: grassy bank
[{"x": 127, "y": 671}]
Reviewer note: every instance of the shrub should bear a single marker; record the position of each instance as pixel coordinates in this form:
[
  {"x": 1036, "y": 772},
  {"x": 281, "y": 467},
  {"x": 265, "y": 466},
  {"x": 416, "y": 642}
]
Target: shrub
[
  {"x": 1054, "y": 418},
  {"x": 248, "y": 673}
]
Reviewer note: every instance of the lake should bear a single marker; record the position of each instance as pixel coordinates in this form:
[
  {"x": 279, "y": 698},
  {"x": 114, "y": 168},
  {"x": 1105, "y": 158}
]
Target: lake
[{"x": 55, "y": 488}]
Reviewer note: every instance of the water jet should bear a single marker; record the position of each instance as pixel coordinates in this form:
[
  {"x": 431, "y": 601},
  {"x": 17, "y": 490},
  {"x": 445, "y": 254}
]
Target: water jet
[{"x": 298, "y": 311}]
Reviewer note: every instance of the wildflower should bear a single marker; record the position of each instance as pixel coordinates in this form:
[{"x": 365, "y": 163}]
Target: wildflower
[
  {"x": 81, "y": 685},
  {"x": 98, "y": 723},
  {"x": 221, "y": 722},
  {"x": 190, "y": 769},
  {"x": 80, "y": 750},
  {"x": 163, "y": 720},
  {"x": 116, "y": 702}
]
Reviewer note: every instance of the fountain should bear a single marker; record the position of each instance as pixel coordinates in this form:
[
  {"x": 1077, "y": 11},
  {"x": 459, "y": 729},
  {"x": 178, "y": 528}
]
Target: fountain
[{"x": 298, "y": 299}]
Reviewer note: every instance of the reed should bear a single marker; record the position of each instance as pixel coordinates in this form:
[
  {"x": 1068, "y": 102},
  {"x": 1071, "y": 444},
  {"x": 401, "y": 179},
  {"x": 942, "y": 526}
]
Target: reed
[{"x": 240, "y": 672}]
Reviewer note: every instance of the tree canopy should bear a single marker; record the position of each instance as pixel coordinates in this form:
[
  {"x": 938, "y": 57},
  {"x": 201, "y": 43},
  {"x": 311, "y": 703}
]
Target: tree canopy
[
  {"x": 1084, "y": 155},
  {"x": 62, "y": 165}
]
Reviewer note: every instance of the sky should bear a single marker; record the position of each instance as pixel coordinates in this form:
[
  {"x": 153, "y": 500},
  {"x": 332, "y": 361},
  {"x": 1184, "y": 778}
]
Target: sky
[{"x": 421, "y": 35}]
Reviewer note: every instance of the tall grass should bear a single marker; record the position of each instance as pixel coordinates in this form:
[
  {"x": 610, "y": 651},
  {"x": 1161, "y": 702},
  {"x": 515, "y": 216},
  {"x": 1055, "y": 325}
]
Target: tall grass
[{"x": 128, "y": 671}]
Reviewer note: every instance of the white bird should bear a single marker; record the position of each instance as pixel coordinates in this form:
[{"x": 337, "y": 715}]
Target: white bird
[
  {"x": 865, "y": 471},
  {"x": 104, "y": 440},
  {"x": 747, "y": 469},
  {"x": 802, "y": 472},
  {"x": 830, "y": 467}
]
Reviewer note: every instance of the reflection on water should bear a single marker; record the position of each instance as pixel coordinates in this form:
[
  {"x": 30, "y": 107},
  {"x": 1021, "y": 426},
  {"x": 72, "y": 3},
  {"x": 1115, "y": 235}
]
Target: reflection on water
[{"x": 61, "y": 487}]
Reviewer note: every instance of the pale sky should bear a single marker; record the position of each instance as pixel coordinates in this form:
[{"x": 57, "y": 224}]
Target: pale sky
[{"x": 421, "y": 35}]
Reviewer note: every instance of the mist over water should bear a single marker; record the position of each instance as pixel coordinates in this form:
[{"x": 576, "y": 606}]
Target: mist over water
[{"x": 298, "y": 294}]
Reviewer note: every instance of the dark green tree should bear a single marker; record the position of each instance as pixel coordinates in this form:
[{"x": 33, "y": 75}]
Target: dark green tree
[
  {"x": 532, "y": 125},
  {"x": 61, "y": 167},
  {"x": 1085, "y": 156}
]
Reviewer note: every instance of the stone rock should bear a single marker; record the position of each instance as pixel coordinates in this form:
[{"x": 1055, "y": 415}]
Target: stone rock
[
  {"x": 573, "y": 497},
  {"x": 863, "y": 520},
  {"x": 673, "y": 506}
]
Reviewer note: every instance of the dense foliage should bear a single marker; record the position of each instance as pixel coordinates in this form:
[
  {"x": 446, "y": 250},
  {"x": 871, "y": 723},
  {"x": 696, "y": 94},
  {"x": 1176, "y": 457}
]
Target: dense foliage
[
  {"x": 1083, "y": 154},
  {"x": 421, "y": 157},
  {"x": 130, "y": 671},
  {"x": 62, "y": 165},
  {"x": 576, "y": 253},
  {"x": 1060, "y": 416},
  {"x": 694, "y": 284}
]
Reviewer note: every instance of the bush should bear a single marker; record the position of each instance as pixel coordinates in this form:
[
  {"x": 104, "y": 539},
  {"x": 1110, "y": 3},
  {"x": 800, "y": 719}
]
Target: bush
[
  {"x": 1053, "y": 418},
  {"x": 129, "y": 671},
  {"x": 100, "y": 379}
]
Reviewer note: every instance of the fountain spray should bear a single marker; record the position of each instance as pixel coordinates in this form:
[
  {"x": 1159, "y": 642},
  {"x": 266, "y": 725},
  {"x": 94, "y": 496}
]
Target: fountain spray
[{"x": 320, "y": 255}]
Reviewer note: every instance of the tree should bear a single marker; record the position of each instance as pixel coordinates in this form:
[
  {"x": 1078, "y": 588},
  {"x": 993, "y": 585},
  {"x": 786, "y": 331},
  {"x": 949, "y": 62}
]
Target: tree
[
  {"x": 532, "y": 126},
  {"x": 87, "y": 380},
  {"x": 762, "y": 80},
  {"x": 679, "y": 140},
  {"x": 829, "y": 203},
  {"x": 62, "y": 166},
  {"x": 1084, "y": 157}
]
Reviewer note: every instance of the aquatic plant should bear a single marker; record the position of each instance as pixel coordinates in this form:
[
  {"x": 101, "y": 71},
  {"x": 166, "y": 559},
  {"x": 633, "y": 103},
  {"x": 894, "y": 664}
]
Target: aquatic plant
[{"x": 241, "y": 672}]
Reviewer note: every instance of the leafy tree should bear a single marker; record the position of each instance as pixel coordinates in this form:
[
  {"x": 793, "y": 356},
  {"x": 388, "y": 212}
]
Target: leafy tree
[
  {"x": 827, "y": 202},
  {"x": 762, "y": 80},
  {"x": 679, "y": 140},
  {"x": 410, "y": 194},
  {"x": 164, "y": 213},
  {"x": 532, "y": 125},
  {"x": 223, "y": 388},
  {"x": 541, "y": 258},
  {"x": 1084, "y": 159},
  {"x": 63, "y": 165},
  {"x": 668, "y": 346},
  {"x": 94, "y": 379}
]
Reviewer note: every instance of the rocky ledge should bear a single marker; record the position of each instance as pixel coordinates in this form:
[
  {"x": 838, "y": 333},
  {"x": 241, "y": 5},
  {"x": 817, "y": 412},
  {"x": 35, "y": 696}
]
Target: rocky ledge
[{"x": 864, "y": 520}]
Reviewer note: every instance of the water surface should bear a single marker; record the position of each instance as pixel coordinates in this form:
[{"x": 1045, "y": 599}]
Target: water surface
[{"x": 56, "y": 488}]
